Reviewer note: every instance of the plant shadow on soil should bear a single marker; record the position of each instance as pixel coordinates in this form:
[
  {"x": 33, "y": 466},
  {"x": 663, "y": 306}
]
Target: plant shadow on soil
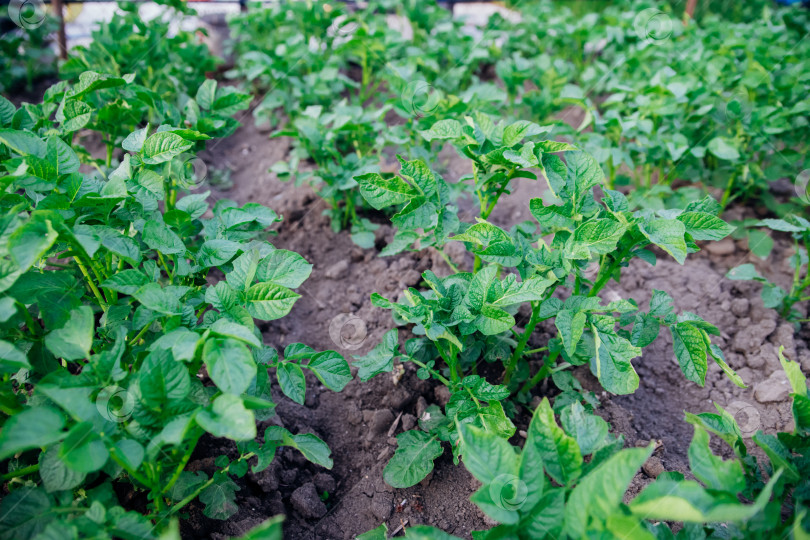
[{"x": 335, "y": 312}]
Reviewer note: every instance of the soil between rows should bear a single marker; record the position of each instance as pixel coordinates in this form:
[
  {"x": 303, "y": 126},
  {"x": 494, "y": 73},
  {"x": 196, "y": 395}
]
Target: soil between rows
[{"x": 335, "y": 313}]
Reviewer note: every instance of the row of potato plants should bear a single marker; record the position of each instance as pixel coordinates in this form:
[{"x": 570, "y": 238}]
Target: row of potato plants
[
  {"x": 568, "y": 480},
  {"x": 129, "y": 304},
  {"x": 571, "y": 480},
  {"x": 734, "y": 125}
]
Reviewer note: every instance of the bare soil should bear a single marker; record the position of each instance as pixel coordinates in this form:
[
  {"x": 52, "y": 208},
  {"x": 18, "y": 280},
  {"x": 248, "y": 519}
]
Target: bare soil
[{"x": 359, "y": 423}]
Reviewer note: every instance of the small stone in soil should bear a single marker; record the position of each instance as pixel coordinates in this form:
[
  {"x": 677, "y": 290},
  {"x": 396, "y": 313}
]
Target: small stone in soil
[
  {"x": 421, "y": 405},
  {"x": 773, "y": 389},
  {"x": 337, "y": 270},
  {"x": 306, "y": 501},
  {"x": 740, "y": 307},
  {"x": 408, "y": 422},
  {"x": 723, "y": 247},
  {"x": 653, "y": 467},
  {"x": 442, "y": 394},
  {"x": 381, "y": 505}
]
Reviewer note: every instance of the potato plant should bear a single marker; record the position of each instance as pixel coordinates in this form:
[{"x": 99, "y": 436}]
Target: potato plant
[
  {"x": 557, "y": 268},
  {"x": 774, "y": 296},
  {"x": 119, "y": 349},
  {"x": 570, "y": 479}
]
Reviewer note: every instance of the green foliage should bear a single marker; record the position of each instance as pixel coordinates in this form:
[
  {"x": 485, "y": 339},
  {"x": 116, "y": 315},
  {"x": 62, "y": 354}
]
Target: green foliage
[
  {"x": 468, "y": 318},
  {"x": 774, "y": 296},
  {"x": 128, "y": 328}
]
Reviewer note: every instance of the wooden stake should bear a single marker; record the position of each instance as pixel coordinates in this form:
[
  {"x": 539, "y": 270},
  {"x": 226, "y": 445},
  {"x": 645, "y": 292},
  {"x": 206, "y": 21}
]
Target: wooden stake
[
  {"x": 689, "y": 12},
  {"x": 61, "y": 39}
]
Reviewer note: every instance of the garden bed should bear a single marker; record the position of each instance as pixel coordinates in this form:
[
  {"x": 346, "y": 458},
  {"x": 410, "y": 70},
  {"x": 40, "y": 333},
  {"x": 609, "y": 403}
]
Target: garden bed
[{"x": 359, "y": 423}]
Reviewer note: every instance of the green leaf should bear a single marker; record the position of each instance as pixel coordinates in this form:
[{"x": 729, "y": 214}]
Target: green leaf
[
  {"x": 244, "y": 270},
  {"x": 83, "y": 450},
  {"x": 228, "y": 417},
  {"x": 24, "y": 143},
  {"x": 381, "y": 192},
  {"x": 162, "y": 381},
  {"x": 163, "y": 146},
  {"x": 413, "y": 459},
  {"x": 56, "y": 476},
  {"x": 268, "y": 301},
  {"x": 493, "y": 321},
  {"x": 126, "y": 281},
  {"x": 291, "y": 380},
  {"x": 660, "y": 304},
  {"x": 216, "y": 252},
  {"x": 11, "y": 358},
  {"x": 424, "y": 532},
  {"x": 589, "y": 430},
  {"x": 285, "y": 268},
  {"x": 74, "y": 339},
  {"x": 331, "y": 369},
  {"x": 611, "y": 362},
  {"x": 600, "y": 494},
  {"x": 7, "y": 110},
  {"x": 62, "y": 156},
  {"x": 712, "y": 470},
  {"x": 793, "y": 370},
  {"x": 25, "y": 512},
  {"x": 378, "y": 533},
  {"x": 75, "y": 115},
  {"x": 778, "y": 454},
  {"x": 596, "y": 237},
  {"x": 380, "y": 359},
  {"x": 645, "y": 330},
  {"x": 36, "y": 427},
  {"x": 704, "y": 226},
  {"x": 442, "y": 130},
  {"x": 160, "y": 237},
  {"x": 668, "y": 234},
  {"x": 313, "y": 448},
  {"x": 272, "y": 530},
  {"x": 570, "y": 325},
  {"x": 516, "y": 132},
  {"x": 690, "y": 349},
  {"x": 206, "y": 94},
  {"x": 226, "y": 328},
  {"x": 687, "y": 501},
  {"x": 31, "y": 241},
  {"x": 724, "y": 148},
  {"x": 135, "y": 140},
  {"x": 485, "y": 454},
  {"x": 158, "y": 299},
  {"x": 230, "y": 364},
  {"x": 548, "y": 444},
  {"x": 220, "y": 498}
]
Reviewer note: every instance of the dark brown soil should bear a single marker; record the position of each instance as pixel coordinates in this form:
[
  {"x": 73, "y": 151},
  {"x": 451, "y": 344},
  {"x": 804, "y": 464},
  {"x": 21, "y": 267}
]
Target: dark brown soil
[{"x": 359, "y": 424}]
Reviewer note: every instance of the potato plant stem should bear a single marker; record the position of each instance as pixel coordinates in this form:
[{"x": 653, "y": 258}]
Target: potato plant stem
[
  {"x": 544, "y": 372},
  {"x": 182, "y": 465},
  {"x": 524, "y": 339},
  {"x": 102, "y": 302},
  {"x": 19, "y": 472},
  {"x": 174, "y": 509},
  {"x": 451, "y": 362},
  {"x": 441, "y": 378},
  {"x": 140, "y": 334},
  {"x": 444, "y": 256}
]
